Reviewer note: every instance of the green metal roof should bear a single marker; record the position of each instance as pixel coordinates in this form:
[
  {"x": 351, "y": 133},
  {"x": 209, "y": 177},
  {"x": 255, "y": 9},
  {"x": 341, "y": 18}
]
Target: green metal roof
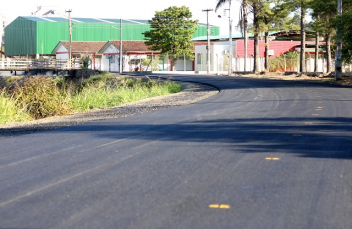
[
  {"x": 40, "y": 35},
  {"x": 86, "y": 20}
]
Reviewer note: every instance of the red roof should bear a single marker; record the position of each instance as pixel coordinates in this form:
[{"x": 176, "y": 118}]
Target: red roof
[{"x": 84, "y": 46}]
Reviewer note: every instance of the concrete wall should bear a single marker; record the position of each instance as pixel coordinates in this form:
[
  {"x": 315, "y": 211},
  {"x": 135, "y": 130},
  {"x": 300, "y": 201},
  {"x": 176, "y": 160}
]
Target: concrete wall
[
  {"x": 219, "y": 60},
  {"x": 62, "y": 53}
]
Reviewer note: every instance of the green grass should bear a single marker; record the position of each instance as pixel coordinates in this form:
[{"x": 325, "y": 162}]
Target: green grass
[
  {"x": 40, "y": 97},
  {"x": 127, "y": 90},
  {"x": 9, "y": 111}
]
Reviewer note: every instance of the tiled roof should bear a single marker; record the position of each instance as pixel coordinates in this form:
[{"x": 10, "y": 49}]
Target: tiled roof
[
  {"x": 140, "y": 46},
  {"x": 130, "y": 46},
  {"x": 84, "y": 46}
]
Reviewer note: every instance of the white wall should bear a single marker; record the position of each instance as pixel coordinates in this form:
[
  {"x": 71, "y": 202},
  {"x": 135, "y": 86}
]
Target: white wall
[
  {"x": 182, "y": 65},
  {"x": 110, "y": 61},
  {"x": 218, "y": 58},
  {"x": 64, "y": 53}
]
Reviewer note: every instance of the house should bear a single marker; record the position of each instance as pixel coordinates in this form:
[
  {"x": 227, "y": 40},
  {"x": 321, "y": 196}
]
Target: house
[
  {"x": 135, "y": 51},
  {"x": 80, "y": 49}
]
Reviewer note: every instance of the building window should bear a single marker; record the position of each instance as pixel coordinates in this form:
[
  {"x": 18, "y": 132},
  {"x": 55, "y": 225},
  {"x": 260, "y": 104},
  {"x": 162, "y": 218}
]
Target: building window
[{"x": 199, "y": 58}]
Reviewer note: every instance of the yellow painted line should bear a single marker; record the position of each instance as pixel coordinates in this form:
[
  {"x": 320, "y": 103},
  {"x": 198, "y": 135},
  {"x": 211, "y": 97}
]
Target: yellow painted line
[
  {"x": 308, "y": 123},
  {"x": 223, "y": 206},
  {"x": 318, "y": 107},
  {"x": 272, "y": 158}
]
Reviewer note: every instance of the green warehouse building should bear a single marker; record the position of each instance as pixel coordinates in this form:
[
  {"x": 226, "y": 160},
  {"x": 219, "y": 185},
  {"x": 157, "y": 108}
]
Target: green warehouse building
[{"x": 33, "y": 36}]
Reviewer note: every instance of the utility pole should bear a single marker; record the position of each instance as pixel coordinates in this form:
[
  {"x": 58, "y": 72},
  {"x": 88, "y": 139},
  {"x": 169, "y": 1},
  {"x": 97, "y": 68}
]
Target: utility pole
[
  {"x": 70, "y": 36},
  {"x": 121, "y": 56},
  {"x": 338, "y": 60},
  {"x": 208, "y": 40},
  {"x": 245, "y": 33},
  {"x": 230, "y": 40}
]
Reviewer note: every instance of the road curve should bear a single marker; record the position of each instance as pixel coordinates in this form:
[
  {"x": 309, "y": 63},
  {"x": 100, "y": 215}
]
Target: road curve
[{"x": 259, "y": 154}]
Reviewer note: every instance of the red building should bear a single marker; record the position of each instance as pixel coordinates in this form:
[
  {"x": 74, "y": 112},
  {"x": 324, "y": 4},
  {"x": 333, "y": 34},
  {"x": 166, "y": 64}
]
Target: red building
[{"x": 276, "y": 48}]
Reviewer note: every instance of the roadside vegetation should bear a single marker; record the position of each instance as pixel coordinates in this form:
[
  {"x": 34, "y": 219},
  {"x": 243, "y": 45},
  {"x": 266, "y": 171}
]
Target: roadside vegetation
[{"x": 40, "y": 96}]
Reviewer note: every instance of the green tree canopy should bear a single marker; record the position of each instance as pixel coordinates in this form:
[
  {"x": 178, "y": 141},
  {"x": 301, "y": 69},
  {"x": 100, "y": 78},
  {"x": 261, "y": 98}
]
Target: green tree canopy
[
  {"x": 171, "y": 32},
  {"x": 344, "y": 24}
]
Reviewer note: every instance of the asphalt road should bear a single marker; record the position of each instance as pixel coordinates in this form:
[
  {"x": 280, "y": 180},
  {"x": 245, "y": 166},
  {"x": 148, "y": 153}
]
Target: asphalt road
[{"x": 260, "y": 154}]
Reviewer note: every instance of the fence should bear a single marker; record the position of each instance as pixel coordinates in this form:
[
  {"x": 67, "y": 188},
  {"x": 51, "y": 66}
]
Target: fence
[
  {"x": 280, "y": 64},
  {"x": 49, "y": 64}
]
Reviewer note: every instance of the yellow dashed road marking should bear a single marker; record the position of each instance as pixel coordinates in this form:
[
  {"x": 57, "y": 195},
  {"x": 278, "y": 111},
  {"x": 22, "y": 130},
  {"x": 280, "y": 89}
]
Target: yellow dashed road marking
[
  {"x": 272, "y": 158},
  {"x": 223, "y": 206}
]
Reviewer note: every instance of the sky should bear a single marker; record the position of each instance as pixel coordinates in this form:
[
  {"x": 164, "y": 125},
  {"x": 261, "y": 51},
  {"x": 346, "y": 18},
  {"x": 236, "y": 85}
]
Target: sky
[{"x": 131, "y": 9}]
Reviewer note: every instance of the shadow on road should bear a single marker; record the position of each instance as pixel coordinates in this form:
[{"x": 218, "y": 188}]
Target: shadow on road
[{"x": 314, "y": 138}]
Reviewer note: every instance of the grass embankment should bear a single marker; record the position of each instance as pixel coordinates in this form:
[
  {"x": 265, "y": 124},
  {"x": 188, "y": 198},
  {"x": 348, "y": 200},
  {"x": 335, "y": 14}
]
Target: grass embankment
[{"x": 39, "y": 97}]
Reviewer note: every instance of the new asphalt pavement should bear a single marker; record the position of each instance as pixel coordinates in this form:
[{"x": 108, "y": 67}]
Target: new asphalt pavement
[{"x": 266, "y": 154}]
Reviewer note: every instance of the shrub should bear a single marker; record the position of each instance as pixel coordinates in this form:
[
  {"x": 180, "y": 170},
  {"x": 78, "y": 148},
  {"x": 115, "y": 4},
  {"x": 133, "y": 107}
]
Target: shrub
[
  {"x": 9, "y": 112},
  {"x": 40, "y": 97},
  {"x": 116, "y": 93}
]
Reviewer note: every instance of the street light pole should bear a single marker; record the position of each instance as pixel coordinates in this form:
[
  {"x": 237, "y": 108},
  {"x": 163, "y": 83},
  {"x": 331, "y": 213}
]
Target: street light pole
[
  {"x": 120, "y": 51},
  {"x": 208, "y": 40},
  {"x": 230, "y": 40},
  {"x": 70, "y": 36},
  {"x": 121, "y": 46}
]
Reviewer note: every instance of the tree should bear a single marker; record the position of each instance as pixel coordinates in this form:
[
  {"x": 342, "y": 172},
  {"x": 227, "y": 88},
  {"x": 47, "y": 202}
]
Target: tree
[
  {"x": 275, "y": 17},
  {"x": 344, "y": 24},
  {"x": 171, "y": 32},
  {"x": 302, "y": 7},
  {"x": 324, "y": 14},
  {"x": 244, "y": 23}
]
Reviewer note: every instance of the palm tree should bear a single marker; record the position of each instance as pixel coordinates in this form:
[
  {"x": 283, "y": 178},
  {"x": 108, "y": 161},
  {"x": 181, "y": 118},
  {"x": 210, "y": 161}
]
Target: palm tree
[{"x": 244, "y": 22}]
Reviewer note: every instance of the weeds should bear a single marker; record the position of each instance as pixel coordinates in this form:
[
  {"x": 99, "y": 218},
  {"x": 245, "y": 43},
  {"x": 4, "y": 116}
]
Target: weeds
[
  {"x": 119, "y": 92},
  {"x": 9, "y": 111},
  {"x": 40, "y": 96}
]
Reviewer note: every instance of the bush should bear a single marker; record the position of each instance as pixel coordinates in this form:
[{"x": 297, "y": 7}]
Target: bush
[
  {"x": 40, "y": 97},
  {"x": 9, "y": 112},
  {"x": 117, "y": 93}
]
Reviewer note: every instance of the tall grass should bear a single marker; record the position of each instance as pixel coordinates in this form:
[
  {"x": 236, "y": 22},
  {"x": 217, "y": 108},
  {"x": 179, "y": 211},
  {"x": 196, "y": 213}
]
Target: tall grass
[
  {"x": 9, "y": 111},
  {"x": 40, "y": 96},
  {"x": 123, "y": 91}
]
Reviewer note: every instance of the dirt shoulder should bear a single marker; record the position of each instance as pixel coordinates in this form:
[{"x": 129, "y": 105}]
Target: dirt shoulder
[{"x": 324, "y": 78}]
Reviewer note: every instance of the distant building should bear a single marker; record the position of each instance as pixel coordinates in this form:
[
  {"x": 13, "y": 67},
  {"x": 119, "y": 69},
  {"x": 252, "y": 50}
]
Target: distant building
[
  {"x": 38, "y": 35},
  {"x": 3, "y": 24}
]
